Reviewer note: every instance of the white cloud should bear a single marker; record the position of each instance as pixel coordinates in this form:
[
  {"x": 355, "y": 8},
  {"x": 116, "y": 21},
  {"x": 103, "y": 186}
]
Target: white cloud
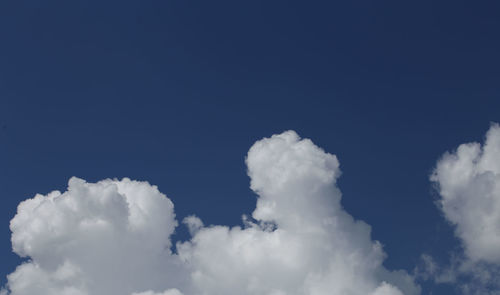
[
  {"x": 387, "y": 289},
  {"x": 113, "y": 238},
  {"x": 469, "y": 185},
  {"x": 468, "y": 181},
  {"x": 302, "y": 241},
  {"x": 110, "y": 237}
]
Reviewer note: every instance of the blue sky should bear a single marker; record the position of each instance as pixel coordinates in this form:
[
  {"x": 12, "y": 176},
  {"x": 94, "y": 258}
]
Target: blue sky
[{"x": 176, "y": 92}]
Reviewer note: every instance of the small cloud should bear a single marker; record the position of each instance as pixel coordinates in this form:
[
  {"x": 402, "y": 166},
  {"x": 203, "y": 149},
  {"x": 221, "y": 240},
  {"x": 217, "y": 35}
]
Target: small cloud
[
  {"x": 468, "y": 182},
  {"x": 193, "y": 223}
]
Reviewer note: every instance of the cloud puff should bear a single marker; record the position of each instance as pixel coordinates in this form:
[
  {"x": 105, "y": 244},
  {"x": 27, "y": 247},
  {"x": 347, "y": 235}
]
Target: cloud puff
[
  {"x": 468, "y": 181},
  {"x": 110, "y": 237},
  {"x": 113, "y": 237},
  {"x": 301, "y": 240}
]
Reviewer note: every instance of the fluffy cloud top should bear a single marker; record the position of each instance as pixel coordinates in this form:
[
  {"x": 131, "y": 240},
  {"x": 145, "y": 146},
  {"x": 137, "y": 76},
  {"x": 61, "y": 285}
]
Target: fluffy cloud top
[
  {"x": 468, "y": 181},
  {"x": 110, "y": 237},
  {"x": 469, "y": 184},
  {"x": 113, "y": 237},
  {"x": 302, "y": 241}
]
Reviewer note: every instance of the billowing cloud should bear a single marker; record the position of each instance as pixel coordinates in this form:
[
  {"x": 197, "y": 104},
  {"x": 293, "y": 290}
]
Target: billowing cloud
[
  {"x": 113, "y": 237},
  {"x": 468, "y": 181},
  {"x": 469, "y": 185},
  {"x": 110, "y": 237},
  {"x": 300, "y": 241}
]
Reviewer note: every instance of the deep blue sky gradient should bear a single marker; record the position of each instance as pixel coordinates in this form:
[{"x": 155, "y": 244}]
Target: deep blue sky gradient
[{"x": 175, "y": 92}]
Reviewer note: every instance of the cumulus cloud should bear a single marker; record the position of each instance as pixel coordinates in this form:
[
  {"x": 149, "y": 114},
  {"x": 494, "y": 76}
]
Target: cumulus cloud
[
  {"x": 113, "y": 237},
  {"x": 469, "y": 185},
  {"x": 301, "y": 240},
  {"x": 110, "y": 237},
  {"x": 468, "y": 181}
]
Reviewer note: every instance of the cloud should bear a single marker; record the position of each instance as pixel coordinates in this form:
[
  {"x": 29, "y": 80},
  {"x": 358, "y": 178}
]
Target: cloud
[
  {"x": 469, "y": 184},
  {"x": 110, "y": 237},
  {"x": 301, "y": 240},
  {"x": 113, "y": 237},
  {"x": 468, "y": 181}
]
